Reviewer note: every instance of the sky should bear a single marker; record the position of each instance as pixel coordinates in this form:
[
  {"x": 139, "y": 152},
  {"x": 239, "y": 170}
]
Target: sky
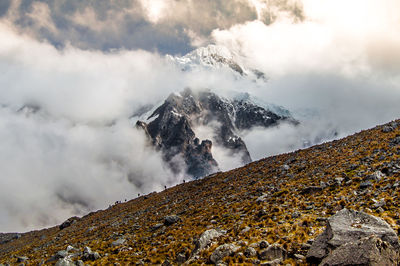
[{"x": 72, "y": 73}]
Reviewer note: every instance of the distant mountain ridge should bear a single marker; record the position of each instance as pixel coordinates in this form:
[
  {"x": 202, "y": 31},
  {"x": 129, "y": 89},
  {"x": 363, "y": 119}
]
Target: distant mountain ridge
[{"x": 171, "y": 128}]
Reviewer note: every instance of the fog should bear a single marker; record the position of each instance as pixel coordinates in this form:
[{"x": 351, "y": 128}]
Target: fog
[{"x": 69, "y": 146}]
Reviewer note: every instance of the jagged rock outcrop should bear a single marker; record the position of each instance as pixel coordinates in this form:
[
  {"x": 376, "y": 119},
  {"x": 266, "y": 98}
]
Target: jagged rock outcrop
[
  {"x": 349, "y": 226},
  {"x": 171, "y": 128}
]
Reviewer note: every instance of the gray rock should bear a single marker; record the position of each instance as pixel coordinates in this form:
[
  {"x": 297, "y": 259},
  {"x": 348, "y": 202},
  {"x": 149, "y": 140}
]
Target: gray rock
[
  {"x": 88, "y": 254},
  {"x": 79, "y": 263},
  {"x": 250, "y": 252},
  {"x": 273, "y": 252},
  {"x": 387, "y": 129},
  {"x": 206, "y": 238},
  {"x": 170, "y": 220},
  {"x": 378, "y": 175},
  {"x": 275, "y": 262},
  {"x": 65, "y": 262},
  {"x": 155, "y": 227},
  {"x": 339, "y": 180},
  {"x": 61, "y": 254},
  {"x": 378, "y": 204},
  {"x": 118, "y": 242},
  {"x": 299, "y": 257},
  {"x": 262, "y": 198},
  {"x": 365, "y": 184},
  {"x": 245, "y": 230},
  {"x": 295, "y": 215},
  {"x": 366, "y": 251},
  {"x": 71, "y": 249},
  {"x": 349, "y": 226},
  {"x": 22, "y": 259},
  {"x": 223, "y": 251}
]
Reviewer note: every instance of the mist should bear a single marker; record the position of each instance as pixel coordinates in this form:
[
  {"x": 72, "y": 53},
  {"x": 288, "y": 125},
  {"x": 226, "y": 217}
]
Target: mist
[{"x": 69, "y": 144}]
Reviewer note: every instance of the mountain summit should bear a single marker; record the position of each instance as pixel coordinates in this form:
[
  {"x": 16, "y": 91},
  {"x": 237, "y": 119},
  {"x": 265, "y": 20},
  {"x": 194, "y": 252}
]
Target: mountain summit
[
  {"x": 214, "y": 57},
  {"x": 172, "y": 127}
]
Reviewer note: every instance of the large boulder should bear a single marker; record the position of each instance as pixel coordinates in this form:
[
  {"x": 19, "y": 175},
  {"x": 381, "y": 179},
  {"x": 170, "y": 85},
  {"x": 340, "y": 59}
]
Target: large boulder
[
  {"x": 273, "y": 252},
  {"x": 366, "y": 251},
  {"x": 223, "y": 251},
  {"x": 349, "y": 226},
  {"x": 205, "y": 239}
]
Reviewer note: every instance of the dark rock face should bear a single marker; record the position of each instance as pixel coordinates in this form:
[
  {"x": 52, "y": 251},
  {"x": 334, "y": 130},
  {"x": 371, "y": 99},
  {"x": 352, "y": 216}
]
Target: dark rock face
[
  {"x": 170, "y": 220},
  {"x": 348, "y": 226},
  {"x": 366, "y": 251},
  {"x": 68, "y": 222},
  {"x": 171, "y": 129}
]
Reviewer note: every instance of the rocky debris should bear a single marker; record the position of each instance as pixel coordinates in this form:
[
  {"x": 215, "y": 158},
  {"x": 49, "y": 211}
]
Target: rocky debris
[
  {"x": 8, "y": 237},
  {"x": 390, "y": 127},
  {"x": 172, "y": 219},
  {"x": 365, "y": 251},
  {"x": 387, "y": 129},
  {"x": 68, "y": 222},
  {"x": 273, "y": 252},
  {"x": 223, "y": 251},
  {"x": 63, "y": 256},
  {"x": 88, "y": 254},
  {"x": 349, "y": 226},
  {"x": 395, "y": 141}
]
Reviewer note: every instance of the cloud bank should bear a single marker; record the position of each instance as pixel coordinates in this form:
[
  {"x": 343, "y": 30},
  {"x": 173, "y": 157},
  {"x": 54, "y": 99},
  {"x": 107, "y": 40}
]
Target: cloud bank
[
  {"x": 72, "y": 73},
  {"x": 166, "y": 26}
]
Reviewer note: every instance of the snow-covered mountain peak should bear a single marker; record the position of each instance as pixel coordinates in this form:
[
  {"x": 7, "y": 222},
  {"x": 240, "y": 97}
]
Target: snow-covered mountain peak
[{"x": 214, "y": 57}]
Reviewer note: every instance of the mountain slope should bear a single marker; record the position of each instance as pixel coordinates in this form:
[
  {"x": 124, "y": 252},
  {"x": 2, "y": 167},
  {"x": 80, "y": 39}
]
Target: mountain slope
[
  {"x": 172, "y": 128},
  {"x": 282, "y": 200}
]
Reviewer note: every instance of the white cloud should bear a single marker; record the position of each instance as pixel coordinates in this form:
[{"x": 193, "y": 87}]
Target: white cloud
[
  {"x": 79, "y": 151},
  {"x": 340, "y": 60}
]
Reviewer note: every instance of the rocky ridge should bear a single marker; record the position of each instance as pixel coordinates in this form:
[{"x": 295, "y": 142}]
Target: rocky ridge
[
  {"x": 171, "y": 128},
  {"x": 339, "y": 198}
]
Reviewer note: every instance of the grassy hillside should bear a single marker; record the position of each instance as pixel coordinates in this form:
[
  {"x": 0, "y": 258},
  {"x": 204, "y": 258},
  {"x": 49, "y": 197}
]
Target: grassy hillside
[{"x": 283, "y": 199}]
